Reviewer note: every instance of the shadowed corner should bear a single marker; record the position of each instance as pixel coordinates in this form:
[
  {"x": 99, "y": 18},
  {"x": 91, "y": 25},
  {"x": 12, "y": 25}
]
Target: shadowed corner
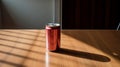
[
  {"x": 7, "y": 20},
  {"x": 85, "y": 55}
]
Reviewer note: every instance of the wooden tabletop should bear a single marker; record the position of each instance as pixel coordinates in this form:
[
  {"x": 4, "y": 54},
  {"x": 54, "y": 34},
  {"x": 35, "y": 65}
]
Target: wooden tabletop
[{"x": 79, "y": 48}]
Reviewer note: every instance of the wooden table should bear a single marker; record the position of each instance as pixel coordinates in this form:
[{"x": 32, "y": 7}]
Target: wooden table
[{"x": 79, "y": 48}]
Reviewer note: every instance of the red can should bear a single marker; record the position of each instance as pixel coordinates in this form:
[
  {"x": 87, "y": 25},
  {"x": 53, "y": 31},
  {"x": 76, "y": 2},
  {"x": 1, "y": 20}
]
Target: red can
[{"x": 53, "y": 36}]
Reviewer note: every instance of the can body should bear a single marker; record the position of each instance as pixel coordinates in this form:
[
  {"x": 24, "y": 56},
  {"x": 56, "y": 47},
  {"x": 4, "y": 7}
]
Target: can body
[{"x": 53, "y": 37}]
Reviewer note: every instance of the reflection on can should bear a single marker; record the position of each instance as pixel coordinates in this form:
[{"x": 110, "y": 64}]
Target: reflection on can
[{"x": 53, "y": 36}]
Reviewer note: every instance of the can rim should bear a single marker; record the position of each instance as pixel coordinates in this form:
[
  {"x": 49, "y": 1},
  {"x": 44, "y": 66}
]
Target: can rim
[{"x": 53, "y": 24}]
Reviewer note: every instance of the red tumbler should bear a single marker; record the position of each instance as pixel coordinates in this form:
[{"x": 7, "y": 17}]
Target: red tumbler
[{"x": 53, "y": 36}]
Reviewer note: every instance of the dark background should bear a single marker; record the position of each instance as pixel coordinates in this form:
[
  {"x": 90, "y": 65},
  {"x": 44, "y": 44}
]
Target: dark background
[
  {"x": 82, "y": 14},
  {"x": 90, "y": 14}
]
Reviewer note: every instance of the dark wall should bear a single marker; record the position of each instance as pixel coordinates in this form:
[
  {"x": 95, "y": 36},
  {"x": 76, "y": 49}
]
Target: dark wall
[
  {"x": 90, "y": 14},
  {"x": 0, "y": 15}
]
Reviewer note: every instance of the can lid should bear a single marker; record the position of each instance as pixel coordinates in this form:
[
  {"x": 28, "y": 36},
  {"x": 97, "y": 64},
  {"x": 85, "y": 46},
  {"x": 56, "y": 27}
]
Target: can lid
[{"x": 53, "y": 24}]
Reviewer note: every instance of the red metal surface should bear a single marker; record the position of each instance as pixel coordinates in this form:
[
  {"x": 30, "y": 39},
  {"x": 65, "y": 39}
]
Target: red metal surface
[{"x": 53, "y": 38}]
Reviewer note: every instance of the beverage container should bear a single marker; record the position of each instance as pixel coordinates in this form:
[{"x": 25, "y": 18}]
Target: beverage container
[{"x": 53, "y": 36}]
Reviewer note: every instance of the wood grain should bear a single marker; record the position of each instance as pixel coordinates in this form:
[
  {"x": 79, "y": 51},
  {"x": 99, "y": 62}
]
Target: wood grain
[{"x": 79, "y": 48}]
